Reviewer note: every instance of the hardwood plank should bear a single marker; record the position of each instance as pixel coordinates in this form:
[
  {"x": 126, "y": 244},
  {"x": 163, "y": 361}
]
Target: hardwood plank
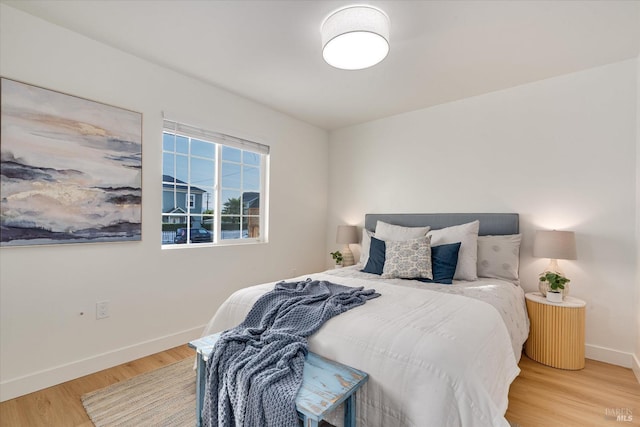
[
  {"x": 540, "y": 397},
  {"x": 60, "y": 405},
  {"x": 544, "y": 396}
]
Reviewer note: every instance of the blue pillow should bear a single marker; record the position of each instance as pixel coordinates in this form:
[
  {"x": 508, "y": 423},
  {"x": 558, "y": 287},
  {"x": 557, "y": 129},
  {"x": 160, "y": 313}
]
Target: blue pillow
[
  {"x": 444, "y": 260},
  {"x": 377, "y": 250}
]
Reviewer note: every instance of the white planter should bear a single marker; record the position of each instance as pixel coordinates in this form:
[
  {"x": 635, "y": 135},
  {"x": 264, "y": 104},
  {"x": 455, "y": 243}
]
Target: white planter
[
  {"x": 554, "y": 296},
  {"x": 337, "y": 266}
]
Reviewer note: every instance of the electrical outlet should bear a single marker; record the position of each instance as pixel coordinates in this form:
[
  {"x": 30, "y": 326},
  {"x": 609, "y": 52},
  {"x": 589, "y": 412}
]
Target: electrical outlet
[{"x": 102, "y": 309}]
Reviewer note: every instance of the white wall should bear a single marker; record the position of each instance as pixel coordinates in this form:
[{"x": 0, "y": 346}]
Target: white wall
[
  {"x": 560, "y": 152},
  {"x": 158, "y": 299},
  {"x": 636, "y": 361}
]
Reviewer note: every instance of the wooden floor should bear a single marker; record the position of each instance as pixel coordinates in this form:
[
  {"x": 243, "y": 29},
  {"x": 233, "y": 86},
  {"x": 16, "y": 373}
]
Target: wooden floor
[
  {"x": 540, "y": 397},
  {"x": 61, "y": 406}
]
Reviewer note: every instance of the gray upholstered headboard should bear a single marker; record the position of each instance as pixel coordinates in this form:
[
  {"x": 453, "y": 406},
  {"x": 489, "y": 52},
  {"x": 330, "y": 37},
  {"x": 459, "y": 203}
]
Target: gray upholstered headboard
[{"x": 490, "y": 223}]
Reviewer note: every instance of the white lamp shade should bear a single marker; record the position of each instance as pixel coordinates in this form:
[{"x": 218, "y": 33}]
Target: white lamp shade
[
  {"x": 555, "y": 244},
  {"x": 355, "y": 37},
  {"x": 347, "y": 234}
]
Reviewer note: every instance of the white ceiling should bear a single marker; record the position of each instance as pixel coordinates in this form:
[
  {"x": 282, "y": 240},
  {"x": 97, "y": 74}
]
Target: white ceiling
[{"x": 270, "y": 51}]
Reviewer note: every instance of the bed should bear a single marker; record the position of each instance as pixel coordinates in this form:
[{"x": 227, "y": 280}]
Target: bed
[{"x": 437, "y": 354}]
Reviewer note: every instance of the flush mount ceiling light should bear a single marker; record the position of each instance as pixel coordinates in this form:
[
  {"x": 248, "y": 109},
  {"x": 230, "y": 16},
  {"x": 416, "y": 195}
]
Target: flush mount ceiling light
[{"x": 355, "y": 37}]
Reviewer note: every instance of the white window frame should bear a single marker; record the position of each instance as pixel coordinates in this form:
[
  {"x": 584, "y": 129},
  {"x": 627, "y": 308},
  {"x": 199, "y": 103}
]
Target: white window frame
[{"x": 219, "y": 139}]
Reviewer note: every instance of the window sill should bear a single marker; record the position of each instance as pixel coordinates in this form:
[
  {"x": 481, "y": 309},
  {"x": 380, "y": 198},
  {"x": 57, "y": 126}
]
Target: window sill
[{"x": 238, "y": 242}]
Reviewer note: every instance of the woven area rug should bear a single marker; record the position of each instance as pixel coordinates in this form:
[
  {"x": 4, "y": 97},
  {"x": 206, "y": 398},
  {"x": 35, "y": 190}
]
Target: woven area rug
[{"x": 164, "y": 397}]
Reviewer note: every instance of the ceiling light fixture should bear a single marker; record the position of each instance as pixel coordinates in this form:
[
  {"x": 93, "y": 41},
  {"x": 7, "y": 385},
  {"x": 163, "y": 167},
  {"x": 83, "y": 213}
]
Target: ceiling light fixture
[{"x": 355, "y": 37}]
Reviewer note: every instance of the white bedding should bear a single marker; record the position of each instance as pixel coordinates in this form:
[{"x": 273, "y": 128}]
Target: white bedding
[{"x": 435, "y": 357}]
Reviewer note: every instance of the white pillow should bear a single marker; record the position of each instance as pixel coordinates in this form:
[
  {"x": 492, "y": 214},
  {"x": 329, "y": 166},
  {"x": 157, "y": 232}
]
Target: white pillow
[
  {"x": 499, "y": 256},
  {"x": 365, "y": 245},
  {"x": 398, "y": 233},
  {"x": 467, "y": 235},
  {"x": 408, "y": 259}
]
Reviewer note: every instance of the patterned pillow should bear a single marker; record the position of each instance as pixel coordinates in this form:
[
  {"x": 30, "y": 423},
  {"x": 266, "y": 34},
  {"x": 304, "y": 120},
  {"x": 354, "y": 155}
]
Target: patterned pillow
[
  {"x": 409, "y": 259},
  {"x": 499, "y": 256}
]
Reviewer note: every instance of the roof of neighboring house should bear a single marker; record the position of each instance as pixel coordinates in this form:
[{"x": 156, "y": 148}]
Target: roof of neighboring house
[
  {"x": 251, "y": 199},
  {"x": 177, "y": 210},
  {"x": 168, "y": 180}
]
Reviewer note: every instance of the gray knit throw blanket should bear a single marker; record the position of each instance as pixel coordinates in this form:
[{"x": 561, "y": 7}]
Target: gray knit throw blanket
[{"x": 255, "y": 370}]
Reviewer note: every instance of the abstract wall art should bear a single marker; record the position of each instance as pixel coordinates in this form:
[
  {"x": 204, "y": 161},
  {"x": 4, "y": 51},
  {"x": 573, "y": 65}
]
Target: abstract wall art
[{"x": 70, "y": 169}]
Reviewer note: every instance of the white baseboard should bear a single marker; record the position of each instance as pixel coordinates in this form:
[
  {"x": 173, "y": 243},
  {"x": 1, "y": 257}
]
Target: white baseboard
[
  {"x": 49, "y": 377},
  {"x": 636, "y": 367},
  {"x": 609, "y": 355}
]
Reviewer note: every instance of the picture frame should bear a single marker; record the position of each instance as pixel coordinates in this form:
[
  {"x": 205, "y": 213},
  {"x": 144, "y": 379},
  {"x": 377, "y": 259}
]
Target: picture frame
[{"x": 70, "y": 169}]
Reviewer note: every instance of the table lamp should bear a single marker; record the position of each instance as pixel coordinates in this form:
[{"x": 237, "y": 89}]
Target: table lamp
[{"x": 555, "y": 245}]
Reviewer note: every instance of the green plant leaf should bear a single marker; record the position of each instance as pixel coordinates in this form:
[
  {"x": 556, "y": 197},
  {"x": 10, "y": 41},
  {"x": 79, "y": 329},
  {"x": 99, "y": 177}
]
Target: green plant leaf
[{"x": 556, "y": 281}]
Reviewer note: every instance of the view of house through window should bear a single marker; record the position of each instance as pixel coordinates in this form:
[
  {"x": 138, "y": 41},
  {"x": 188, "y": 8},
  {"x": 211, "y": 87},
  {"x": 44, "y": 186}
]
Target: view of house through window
[{"x": 212, "y": 187}]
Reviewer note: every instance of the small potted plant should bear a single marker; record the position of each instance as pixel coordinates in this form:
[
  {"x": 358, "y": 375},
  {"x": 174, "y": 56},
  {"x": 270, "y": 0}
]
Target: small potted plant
[
  {"x": 556, "y": 284},
  {"x": 337, "y": 258}
]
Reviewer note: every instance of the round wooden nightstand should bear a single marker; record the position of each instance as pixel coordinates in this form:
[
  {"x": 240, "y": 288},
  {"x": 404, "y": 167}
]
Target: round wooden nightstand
[{"x": 556, "y": 337}]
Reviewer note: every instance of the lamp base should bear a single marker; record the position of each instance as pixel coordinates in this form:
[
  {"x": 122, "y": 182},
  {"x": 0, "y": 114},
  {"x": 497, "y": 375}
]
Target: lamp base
[
  {"x": 347, "y": 256},
  {"x": 553, "y": 267}
]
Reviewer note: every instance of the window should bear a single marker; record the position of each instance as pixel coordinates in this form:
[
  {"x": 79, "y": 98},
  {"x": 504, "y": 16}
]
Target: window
[{"x": 213, "y": 187}]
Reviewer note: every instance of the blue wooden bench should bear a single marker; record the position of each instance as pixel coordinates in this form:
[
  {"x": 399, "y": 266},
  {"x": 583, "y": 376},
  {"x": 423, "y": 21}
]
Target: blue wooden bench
[{"x": 325, "y": 385}]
